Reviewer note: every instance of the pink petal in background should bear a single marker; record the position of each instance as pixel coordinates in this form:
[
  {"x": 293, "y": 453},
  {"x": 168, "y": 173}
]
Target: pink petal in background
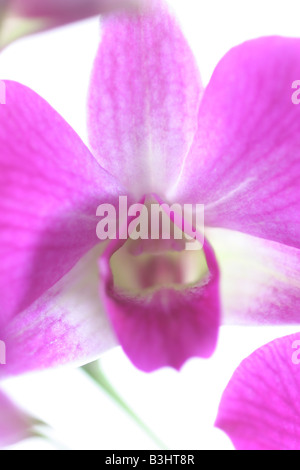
[
  {"x": 64, "y": 11},
  {"x": 260, "y": 407}
]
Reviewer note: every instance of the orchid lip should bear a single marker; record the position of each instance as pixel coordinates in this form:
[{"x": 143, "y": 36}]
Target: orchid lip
[{"x": 161, "y": 298}]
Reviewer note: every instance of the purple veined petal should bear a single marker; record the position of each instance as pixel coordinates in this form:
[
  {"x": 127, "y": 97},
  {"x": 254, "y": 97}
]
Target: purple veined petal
[
  {"x": 260, "y": 408},
  {"x": 67, "y": 325},
  {"x": 245, "y": 162},
  {"x": 144, "y": 99},
  {"x": 260, "y": 282},
  {"x": 15, "y": 425},
  {"x": 162, "y": 314},
  {"x": 50, "y": 188}
]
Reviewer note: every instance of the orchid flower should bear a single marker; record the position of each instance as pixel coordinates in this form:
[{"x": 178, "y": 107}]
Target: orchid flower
[
  {"x": 260, "y": 407},
  {"x": 155, "y": 135},
  {"x": 21, "y": 17},
  {"x": 15, "y": 425}
]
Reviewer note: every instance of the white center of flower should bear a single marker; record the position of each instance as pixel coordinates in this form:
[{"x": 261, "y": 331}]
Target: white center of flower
[{"x": 141, "y": 267}]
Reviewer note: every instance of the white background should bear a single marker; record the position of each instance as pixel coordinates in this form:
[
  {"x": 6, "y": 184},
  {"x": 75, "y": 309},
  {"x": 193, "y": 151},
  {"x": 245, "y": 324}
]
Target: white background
[{"x": 180, "y": 408}]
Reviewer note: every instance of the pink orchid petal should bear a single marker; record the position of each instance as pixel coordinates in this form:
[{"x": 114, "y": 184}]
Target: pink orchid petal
[
  {"x": 245, "y": 161},
  {"x": 50, "y": 188},
  {"x": 167, "y": 327},
  {"x": 67, "y": 325},
  {"x": 144, "y": 100},
  {"x": 15, "y": 425},
  {"x": 260, "y": 282},
  {"x": 260, "y": 407}
]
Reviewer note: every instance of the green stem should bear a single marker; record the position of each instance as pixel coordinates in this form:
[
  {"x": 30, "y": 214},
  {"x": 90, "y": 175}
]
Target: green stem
[
  {"x": 52, "y": 440},
  {"x": 94, "y": 371}
]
